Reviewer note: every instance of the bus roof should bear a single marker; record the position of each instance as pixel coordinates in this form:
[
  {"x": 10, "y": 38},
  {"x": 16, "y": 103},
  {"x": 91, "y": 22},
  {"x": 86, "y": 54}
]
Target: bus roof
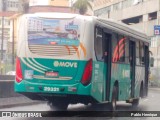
[
  {"x": 123, "y": 28},
  {"x": 108, "y": 23}
]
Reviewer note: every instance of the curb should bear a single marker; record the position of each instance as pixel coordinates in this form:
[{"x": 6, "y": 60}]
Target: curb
[
  {"x": 157, "y": 89},
  {"x": 20, "y": 104}
]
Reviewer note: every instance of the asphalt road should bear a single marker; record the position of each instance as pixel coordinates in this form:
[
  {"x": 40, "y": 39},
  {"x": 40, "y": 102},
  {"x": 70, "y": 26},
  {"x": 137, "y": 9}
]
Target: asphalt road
[{"x": 151, "y": 103}]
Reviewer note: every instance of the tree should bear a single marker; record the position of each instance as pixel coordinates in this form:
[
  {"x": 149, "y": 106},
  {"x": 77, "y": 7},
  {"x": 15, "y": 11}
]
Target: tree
[{"x": 82, "y": 6}]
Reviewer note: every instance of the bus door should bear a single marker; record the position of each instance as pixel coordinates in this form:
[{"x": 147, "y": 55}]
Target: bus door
[
  {"x": 146, "y": 61},
  {"x": 107, "y": 60},
  {"x": 132, "y": 58},
  {"x": 101, "y": 75}
]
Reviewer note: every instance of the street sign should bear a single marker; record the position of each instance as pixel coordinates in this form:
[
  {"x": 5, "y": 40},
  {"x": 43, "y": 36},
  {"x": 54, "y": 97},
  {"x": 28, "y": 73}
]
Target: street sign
[{"x": 157, "y": 29}]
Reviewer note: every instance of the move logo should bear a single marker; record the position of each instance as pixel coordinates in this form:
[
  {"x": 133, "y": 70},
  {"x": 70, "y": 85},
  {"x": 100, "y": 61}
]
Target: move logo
[{"x": 65, "y": 64}]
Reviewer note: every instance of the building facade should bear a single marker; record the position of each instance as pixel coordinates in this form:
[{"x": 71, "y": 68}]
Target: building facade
[
  {"x": 143, "y": 15},
  {"x": 9, "y": 5},
  {"x": 140, "y": 14},
  {"x": 7, "y": 9},
  {"x": 59, "y": 3},
  {"x": 64, "y": 3}
]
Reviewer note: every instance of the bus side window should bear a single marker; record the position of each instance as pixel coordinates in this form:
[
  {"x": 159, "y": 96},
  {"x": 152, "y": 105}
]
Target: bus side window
[
  {"x": 121, "y": 48},
  {"x": 115, "y": 47},
  {"x": 137, "y": 53},
  {"x": 98, "y": 44},
  {"x": 126, "y": 50},
  {"x": 142, "y": 61}
]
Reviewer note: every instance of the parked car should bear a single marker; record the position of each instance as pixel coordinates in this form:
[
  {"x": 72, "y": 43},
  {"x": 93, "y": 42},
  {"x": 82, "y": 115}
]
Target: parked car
[{"x": 11, "y": 73}]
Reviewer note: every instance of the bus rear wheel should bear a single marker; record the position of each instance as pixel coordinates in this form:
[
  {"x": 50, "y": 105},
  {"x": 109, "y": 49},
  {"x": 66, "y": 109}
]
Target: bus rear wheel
[
  {"x": 114, "y": 99},
  {"x": 58, "y": 106},
  {"x": 135, "y": 102}
]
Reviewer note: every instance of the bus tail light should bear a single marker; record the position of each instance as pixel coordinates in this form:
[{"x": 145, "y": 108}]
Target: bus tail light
[
  {"x": 86, "y": 78},
  {"x": 19, "y": 75}
]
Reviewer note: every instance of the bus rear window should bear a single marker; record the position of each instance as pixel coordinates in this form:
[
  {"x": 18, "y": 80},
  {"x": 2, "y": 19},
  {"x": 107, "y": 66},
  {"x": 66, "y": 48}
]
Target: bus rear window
[{"x": 53, "y": 32}]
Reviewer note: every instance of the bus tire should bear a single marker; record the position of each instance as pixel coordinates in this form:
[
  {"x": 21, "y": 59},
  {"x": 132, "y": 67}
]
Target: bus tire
[
  {"x": 114, "y": 99},
  {"x": 58, "y": 106},
  {"x": 135, "y": 102},
  {"x": 141, "y": 91}
]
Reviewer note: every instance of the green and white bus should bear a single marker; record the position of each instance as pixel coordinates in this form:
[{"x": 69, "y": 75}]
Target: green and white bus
[{"x": 69, "y": 58}]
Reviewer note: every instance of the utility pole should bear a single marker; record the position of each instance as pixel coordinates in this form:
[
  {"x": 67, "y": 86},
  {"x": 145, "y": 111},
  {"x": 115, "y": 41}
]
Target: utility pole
[{"x": 13, "y": 47}]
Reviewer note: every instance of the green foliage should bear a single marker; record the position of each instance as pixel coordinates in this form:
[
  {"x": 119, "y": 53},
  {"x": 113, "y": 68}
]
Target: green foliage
[{"x": 82, "y": 6}]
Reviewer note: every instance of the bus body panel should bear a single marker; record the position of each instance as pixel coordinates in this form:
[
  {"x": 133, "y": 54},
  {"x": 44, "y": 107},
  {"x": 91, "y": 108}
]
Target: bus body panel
[
  {"x": 139, "y": 78},
  {"x": 121, "y": 73},
  {"x": 47, "y": 73},
  {"x": 98, "y": 81},
  {"x": 69, "y": 68}
]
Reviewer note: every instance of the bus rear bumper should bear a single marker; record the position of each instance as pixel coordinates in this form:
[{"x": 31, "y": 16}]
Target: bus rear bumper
[
  {"x": 41, "y": 91},
  {"x": 71, "y": 98}
]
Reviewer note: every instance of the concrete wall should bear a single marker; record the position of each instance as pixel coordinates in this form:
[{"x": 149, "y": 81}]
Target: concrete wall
[
  {"x": 103, "y": 3},
  {"x": 7, "y": 87},
  {"x": 140, "y": 9},
  {"x": 147, "y": 27},
  {"x": 7, "y": 77},
  {"x": 0, "y": 5}
]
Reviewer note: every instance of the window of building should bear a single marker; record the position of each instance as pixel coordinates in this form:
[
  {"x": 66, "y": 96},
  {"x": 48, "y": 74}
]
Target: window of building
[
  {"x": 153, "y": 42},
  {"x": 133, "y": 20},
  {"x": 115, "y": 47},
  {"x": 102, "y": 11},
  {"x": 126, "y": 3},
  {"x": 12, "y": 4},
  {"x": 98, "y": 44},
  {"x": 8, "y": 3},
  {"x": 135, "y": 2},
  {"x": 6, "y": 22},
  {"x": 127, "y": 50},
  {"x": 116, "y": 6},
  {"x": 17, "y": 5},
  {"x": 107, "y": 9},
  {"x": 152, "y": 16}
]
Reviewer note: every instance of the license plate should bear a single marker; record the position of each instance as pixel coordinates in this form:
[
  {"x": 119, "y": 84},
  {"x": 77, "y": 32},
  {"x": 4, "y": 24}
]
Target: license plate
[{"x": 51, "y": 74}]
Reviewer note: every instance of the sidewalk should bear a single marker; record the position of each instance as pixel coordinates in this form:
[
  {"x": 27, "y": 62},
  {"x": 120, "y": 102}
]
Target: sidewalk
[
  {"x": 17, "y": 101},
  {"x": 154, "y": 88}
]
